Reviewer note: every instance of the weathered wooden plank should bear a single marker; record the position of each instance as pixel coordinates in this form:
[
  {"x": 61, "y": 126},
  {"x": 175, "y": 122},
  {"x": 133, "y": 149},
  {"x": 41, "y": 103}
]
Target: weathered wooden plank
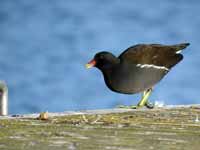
[{"x": 169, "y": 127}]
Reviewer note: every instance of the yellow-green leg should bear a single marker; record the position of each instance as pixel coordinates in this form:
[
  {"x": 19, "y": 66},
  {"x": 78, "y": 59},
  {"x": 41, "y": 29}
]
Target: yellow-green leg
[{"x": 142, "y": 102}]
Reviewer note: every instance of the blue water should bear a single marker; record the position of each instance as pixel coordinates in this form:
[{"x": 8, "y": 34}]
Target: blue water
[{"x": 45, "y": 44}]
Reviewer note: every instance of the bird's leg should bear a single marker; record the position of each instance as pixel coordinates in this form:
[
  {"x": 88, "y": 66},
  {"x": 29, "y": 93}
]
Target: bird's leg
[{"x": 144, "y": 100}]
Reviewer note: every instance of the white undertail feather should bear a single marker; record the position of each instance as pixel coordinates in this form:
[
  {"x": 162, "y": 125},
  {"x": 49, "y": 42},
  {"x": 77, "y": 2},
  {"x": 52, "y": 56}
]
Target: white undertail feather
[
  {"x": 178, "y": 52},
  {"x": 152, "y": 66}
]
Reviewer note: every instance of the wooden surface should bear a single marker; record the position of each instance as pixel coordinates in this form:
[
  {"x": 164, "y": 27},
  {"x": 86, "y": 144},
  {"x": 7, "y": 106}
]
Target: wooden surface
[{"x": 169, "y": 127}]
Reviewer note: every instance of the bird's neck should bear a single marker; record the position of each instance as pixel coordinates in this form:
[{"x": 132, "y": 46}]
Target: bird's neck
[
  {"x": 108, "y": 68},
  {"x": 107, "y": 73}
]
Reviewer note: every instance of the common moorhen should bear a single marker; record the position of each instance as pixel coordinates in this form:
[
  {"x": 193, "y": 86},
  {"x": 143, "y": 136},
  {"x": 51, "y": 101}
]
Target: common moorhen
[{"x": 138, "y": 68}]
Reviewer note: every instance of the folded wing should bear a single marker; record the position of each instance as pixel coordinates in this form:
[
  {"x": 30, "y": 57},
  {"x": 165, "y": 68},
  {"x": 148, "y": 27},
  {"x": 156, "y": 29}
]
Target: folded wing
[{"x": 153, "y": 54}]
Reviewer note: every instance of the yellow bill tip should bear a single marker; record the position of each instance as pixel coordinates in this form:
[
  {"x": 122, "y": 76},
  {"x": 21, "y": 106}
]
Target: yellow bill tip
[
  {"x": 88, "y": 66},
  {"x": 91, "y": 64}
]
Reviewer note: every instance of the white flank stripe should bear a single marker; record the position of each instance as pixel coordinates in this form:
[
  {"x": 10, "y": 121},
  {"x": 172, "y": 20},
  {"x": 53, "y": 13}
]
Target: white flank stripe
[{"x": 151, "y": 66}]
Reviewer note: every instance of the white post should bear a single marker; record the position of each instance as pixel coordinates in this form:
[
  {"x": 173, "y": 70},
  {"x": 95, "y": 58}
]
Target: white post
[{"x": 3, "y": 98}]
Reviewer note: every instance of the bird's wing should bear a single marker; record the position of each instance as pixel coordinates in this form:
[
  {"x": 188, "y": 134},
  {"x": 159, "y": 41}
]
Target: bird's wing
[{"x": 153, "y": 54}]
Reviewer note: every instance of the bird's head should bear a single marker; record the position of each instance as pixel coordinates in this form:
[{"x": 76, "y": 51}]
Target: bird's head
[{"x": 102, "y": 60}]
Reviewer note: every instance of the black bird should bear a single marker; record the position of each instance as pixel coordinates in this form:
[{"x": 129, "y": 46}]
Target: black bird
[{"x": 138, "y": 68}]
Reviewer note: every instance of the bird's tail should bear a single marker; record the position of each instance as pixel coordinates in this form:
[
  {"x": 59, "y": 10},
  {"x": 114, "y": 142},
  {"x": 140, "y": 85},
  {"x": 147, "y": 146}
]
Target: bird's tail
[{"x": 179, "y": 47}]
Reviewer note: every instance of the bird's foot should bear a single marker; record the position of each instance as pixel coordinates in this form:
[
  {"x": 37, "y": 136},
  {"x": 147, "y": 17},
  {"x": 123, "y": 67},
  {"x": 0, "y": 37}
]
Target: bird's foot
[
  {"x": 128, "y": 106},
  {"x": 143, "y": 102},
  {"x": 131, "y": 106},
  {"x": 148, "y": 105}
]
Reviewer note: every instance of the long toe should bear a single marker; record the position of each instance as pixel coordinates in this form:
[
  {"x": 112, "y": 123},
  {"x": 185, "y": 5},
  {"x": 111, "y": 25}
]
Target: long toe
[
  {"x": 128, "y": 107},
  {"x": 123, "y": 106}
]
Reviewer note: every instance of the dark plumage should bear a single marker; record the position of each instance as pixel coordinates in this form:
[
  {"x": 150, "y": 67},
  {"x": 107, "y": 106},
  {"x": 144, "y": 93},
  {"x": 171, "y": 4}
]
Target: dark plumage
[{"x": 139, "y": 67}]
